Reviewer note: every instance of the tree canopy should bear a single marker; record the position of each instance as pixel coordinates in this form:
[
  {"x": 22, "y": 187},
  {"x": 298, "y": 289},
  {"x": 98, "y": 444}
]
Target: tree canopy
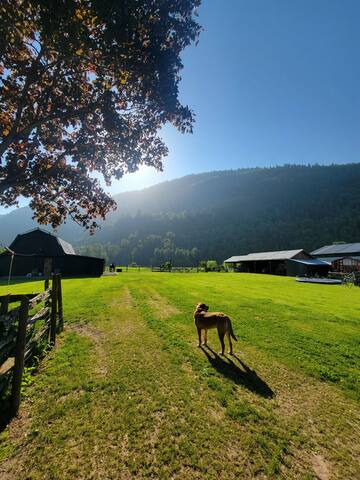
[{"x": 85, "y": 87}]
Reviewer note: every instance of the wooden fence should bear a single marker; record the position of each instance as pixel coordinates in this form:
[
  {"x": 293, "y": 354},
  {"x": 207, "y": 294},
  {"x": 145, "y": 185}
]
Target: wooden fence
[
  {"x": 187, "y": 269},
  {"x": 176, "y": 269},
  {"x": 23, "y": 330}
]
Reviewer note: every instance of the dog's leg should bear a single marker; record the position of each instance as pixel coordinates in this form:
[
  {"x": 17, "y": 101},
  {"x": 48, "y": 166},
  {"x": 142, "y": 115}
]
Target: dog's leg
[
  {"x": 205, "y": 337},
  {"x": 230, "y": 343},
  {"x": 199, "y": 335},
  {"x": 221, "y": 338}
]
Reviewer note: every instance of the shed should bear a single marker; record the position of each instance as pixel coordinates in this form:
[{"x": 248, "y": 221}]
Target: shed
[
  {"x": 343, "y": 257},
  {"x": 283, "y": 262},
  {"x": 346, "y": 264},
  {"x": 39, "y": 252}
]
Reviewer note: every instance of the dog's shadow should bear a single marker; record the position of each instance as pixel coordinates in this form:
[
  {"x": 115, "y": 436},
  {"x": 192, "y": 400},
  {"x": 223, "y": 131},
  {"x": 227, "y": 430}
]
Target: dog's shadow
[{"x": 241, "y": 376}]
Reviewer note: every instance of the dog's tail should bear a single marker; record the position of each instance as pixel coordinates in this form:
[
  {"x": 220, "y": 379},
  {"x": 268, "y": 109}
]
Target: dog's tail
[{"x": 232, "y": 331}]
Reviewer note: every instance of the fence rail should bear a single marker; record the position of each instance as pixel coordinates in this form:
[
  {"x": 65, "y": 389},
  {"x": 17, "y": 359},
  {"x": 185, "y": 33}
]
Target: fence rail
[
  {"x": 176, "y": 269},
  {"x": 22, "y": 331}
]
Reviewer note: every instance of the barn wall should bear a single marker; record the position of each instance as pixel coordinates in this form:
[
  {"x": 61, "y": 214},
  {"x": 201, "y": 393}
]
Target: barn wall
[
  {"x": 67, "y": 265},
  {"x": 275, "y": 267},
  {"x": 76, "y": 265},
  {"x": 295, "y": 269},
  {"x": 21, "y": 265}
]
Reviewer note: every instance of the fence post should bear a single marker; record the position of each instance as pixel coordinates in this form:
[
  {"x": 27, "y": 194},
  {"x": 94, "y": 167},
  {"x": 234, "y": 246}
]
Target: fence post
[
  {"x": 19, "y": 357},
  {"x": 5, "y": 305},
  {"x": 46, "y": 284},
  {"x": 60, "y": 305},
  {"x": 54, "y": 294}
]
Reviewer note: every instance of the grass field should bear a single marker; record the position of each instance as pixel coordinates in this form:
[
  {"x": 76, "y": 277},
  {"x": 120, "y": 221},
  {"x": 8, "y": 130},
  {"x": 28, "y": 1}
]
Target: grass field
[{"x": 127, "y": 393}]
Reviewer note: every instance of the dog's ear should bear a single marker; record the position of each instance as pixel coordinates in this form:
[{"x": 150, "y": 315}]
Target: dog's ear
[{"x": 202, "y": 307}]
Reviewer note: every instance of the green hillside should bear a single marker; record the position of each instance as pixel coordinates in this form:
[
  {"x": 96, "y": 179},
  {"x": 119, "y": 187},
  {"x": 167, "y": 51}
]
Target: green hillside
[{"x": 218, "y": 214}]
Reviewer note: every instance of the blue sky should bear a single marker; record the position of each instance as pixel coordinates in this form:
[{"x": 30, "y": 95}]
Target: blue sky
[{"x": 271, "y": 82}]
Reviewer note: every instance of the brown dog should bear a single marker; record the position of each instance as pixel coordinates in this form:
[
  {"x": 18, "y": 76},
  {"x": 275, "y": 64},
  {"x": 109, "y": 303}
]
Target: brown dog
[{"x": 205, "y": 320}]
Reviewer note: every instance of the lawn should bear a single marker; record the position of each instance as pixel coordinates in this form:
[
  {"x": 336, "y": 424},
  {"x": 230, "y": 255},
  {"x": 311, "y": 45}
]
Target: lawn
[{"x": 127, "y": 393}]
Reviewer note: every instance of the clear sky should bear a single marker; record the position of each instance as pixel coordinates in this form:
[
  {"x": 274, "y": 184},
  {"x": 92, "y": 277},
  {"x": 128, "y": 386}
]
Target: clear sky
[{"x": 271, "y": 82}]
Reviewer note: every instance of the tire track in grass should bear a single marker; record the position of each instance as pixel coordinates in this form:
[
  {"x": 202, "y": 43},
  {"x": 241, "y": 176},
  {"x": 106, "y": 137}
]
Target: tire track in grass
[
  {"x": 267, "y": 317},
  {"x": 302, "y": 405},
  {"x": 162, "y": 441},
  {"x": 97, "y": 338},
  {"x": 182, "y": 424},
  {"x": 250, "y": 430}
]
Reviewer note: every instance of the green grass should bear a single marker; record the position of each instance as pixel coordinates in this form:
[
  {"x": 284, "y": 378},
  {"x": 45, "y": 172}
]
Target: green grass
[{"x": 127, "y": 394}]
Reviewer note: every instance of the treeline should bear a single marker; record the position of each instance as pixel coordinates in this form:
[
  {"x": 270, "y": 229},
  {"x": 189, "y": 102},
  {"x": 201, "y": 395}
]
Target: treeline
[{"x": 147, "y": 250}]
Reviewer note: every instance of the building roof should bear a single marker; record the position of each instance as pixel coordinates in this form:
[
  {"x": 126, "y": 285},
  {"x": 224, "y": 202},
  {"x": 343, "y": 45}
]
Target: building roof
[
  {"x": 338, "y": 249},
  {"x": 310, "y": 261},
  {"x": 333, "y": 259},
  {"x": 265, "y": 256},
  {"x": 66, "y": 247}
]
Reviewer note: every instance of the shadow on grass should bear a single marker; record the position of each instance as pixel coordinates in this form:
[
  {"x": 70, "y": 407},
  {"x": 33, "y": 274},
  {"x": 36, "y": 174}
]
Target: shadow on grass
[
  {"x": 241, "y": 376},
  {"x": 16, "y": 280},
  {"x": 5, "y": 391},
  {"x": 5, "y": 417}
]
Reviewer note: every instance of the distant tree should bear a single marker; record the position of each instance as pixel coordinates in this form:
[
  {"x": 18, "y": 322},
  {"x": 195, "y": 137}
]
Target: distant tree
[
  {"x": 85, "y": 86},
  {"x": 194, "y": 255},
  {"x": 167, "y": 265},
  {"x": 211, "y": 265},
  {"x": 202, "y": 263}
]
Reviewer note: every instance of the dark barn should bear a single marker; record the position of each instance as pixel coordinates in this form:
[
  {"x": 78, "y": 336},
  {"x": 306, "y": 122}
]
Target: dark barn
[
  {"x": 286, "y": 262},
  {"x": 40, "y": 253}
]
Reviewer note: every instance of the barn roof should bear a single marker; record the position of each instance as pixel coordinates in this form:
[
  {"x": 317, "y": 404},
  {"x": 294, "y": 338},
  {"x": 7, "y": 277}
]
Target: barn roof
[
  {"x": 338, "y": 249},
  {"x": 333, "y": 259},
  {"x": 66, "y": 247},
  {"x": 265, "y": 256}
]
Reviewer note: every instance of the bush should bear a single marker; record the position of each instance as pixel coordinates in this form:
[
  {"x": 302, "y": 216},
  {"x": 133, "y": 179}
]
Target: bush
[{"x": 212, "y": 265}]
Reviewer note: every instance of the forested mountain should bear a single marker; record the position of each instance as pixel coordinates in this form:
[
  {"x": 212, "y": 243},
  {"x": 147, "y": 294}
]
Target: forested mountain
[{"x": 219, "y": 214}]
